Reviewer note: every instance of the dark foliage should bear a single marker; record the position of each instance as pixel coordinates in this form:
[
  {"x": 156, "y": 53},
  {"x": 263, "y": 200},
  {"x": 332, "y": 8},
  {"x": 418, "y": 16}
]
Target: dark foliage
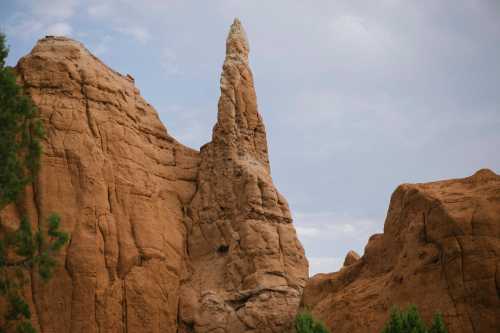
[
  {"x": 22, "y": 252},
  {"x": 306, "y": 323},
  {"x": 20, "y": 134},
  {"x": 409, "y": 321}
]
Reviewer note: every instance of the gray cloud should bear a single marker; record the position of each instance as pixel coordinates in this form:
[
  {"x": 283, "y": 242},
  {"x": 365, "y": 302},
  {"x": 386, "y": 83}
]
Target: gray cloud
[{"x": 41, "y": 17}]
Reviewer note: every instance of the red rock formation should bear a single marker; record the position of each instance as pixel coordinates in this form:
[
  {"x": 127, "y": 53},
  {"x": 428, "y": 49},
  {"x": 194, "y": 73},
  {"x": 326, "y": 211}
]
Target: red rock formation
[
  {"x": 247, "y": 266},
  {"x": 120, "y": 184},
  {"x": 124, "y": 189},
  {"x": 351, "y": 258},
  {"x": 168, "y": 239},
  {"x": 440, "y": 250}
]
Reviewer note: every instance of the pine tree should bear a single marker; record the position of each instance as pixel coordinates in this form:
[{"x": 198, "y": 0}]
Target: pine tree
[
  {"x": 21, "y": 251},
  {"x": 409, "y": 321},
  {"x": 395, "y": 323},
  {"x": 438, "y": 325},
  {"x": 305, "y": 323},
  {"x": 20, "y": 132},
  {"x": 412, "y": 321}
]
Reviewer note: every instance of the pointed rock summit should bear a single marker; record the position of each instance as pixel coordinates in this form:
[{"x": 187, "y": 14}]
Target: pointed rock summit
[
  {"x": 237, "y": 42},
  {"x": 351, "y": 258},
  {"x": 163, "y": 238},
  {"x": 247, "y": 266},
  {"x": 239, "y": 131},
  {"x": 166, "y": 239}
]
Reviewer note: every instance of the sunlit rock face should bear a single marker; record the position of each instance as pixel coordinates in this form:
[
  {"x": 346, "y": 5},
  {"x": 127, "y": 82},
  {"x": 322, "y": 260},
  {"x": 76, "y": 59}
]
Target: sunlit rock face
[
  {"x": 163, "y": 238},
  {"x": 440, "y": 250},
  {"x": 168, "y": 239},
  {"x": 120, "y": 184},
  {"x": 247, "y": 267}
]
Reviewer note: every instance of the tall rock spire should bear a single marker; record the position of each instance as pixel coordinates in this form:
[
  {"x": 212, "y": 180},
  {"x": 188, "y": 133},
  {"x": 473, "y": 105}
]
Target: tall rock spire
[
  {"x": 247, "y": 267},
  {"x": 163, "y": 238},
  {"x": 239, "y": 125},
  {"x": 237, "y": 41}
]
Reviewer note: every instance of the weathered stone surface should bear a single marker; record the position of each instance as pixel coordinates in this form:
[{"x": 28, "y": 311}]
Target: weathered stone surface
[
  {"x": 247, "y": 267},
  {"x": 351, "y": 258},
  {"x": 440, "y": 250},
  {"x": 163, "y": 238},
  {"x": 168, "y": 239},
  {"x": 120, "y": 184}
]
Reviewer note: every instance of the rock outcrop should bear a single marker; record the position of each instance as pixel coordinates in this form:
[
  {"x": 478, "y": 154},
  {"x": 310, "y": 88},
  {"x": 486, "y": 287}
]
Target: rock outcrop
[
  {"x": 351, "y": 258},
  {"x": 168, "y": 239},
  {"x": 440, "y": 250},
  {"x": 120, "y": 184},
  {"x": 247, "y": 267},
  {"x": 163, "y": 238}
]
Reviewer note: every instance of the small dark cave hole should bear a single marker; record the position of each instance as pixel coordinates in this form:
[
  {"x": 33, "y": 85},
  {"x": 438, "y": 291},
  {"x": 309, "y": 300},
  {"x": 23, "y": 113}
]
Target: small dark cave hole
[{"x": 223, "y": 249}]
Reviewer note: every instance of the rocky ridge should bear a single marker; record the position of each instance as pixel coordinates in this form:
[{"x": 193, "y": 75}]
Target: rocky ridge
[{"x": 440, "y": 250}]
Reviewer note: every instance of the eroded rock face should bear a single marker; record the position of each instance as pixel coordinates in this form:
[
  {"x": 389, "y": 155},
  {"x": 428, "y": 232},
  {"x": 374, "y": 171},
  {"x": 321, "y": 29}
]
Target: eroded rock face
[
  {"x": 440, "y": 250},
  {"x": 163, "y": 238},
  {"x": 247, "y": 267},
  {"x": 120, "y": 184},
  {"x": 351, "y": 258}
]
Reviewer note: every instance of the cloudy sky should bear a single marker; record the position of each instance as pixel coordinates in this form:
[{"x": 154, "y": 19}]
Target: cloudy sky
[{"x": 357, "y": 96}]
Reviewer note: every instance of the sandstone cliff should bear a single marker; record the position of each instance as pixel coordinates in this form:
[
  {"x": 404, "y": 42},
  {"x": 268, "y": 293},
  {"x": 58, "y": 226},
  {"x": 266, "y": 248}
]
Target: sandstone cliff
[
  {"x": 160, "y": 234},
  {"x": 120, "y": 184},
  {"x": 168, "y": 239},
  {"x": 440, "y": 250}
]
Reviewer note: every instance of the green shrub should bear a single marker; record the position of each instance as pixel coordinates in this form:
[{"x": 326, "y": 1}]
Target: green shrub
[
  {"x": 438, "y": 325},
  {"x": 409, "y": 321},
  {"x": 20, "y": 134},
  {"x": 305, "y": 323}
]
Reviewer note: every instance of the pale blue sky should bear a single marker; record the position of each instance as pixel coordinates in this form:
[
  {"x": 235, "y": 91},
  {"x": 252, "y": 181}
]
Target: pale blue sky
[{"x": 357, "y": 96}]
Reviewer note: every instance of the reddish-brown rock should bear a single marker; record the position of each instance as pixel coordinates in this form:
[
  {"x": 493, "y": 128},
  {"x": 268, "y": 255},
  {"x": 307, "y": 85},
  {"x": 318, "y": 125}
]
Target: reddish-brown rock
[
  {"x": 247, "y": 267},
  {"x": 157, "y": 238},
  {"x": 120, "y": 184},
  {"x": 440, "y": 250},
  {"x": 168, "y": 239},
  {"x": 351, "y": 258}
]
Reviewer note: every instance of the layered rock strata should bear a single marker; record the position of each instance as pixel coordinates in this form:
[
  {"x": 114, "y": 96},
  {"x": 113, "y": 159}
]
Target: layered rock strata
[
  {"x": 440, "y": 250},
  {"x": 120, "y": 184}
]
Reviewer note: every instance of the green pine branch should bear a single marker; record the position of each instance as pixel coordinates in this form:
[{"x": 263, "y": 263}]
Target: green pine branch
[{"x": 22, "y": 252}]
